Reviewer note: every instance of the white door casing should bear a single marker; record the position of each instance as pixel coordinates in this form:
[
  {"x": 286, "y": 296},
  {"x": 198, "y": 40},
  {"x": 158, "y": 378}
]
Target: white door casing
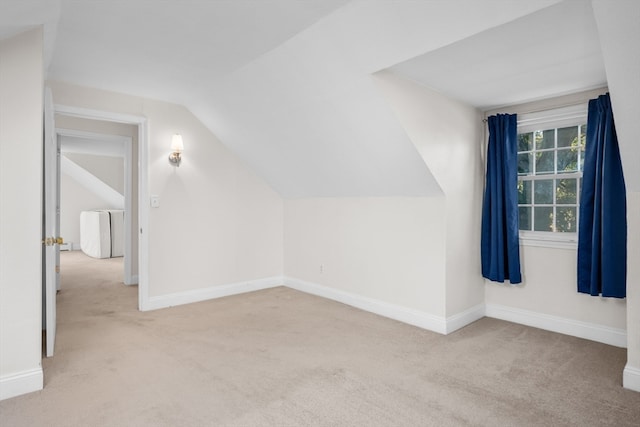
[
  {"x": 51, "y": 220},
  {"x": 143, "y": 186}
]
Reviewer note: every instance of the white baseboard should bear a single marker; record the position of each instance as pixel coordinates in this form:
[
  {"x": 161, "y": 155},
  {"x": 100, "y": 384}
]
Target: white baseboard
[
  {"x": 211, "y": 292},
  {"x": 631, "y": 378},
  {"x": 134, "y": 280},
  {"x": 421, "y": 319},
  {"x": 21, "y": 383},
  {"x": 462, "y": 319},
  {"x": 411, "y": 316},
  {"x": 576, "y": 328}
]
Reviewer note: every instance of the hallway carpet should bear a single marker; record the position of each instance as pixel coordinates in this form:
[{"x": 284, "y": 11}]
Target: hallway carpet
[{"x": 280, "y": 357}]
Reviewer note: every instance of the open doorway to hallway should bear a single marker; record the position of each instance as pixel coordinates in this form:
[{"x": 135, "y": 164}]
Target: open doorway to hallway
[
  {"x": 96, "y": 209},
  {"x": 98, "y": 190}
]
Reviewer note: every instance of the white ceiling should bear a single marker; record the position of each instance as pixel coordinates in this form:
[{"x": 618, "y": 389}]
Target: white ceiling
[
  {"x": 551, "y": 52},
  {"x": 286, "y": 84},
  {"x": 166, "y": 50}
]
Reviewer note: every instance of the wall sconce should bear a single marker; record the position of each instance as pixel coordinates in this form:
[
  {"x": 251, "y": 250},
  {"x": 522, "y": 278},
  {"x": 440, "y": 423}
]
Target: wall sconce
[{"x": 176, "y": 150}]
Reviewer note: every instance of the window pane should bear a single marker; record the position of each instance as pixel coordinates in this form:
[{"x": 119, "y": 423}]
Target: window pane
[
  {"x": 544, "y": 162},
  {"x": 524, "y": 164},
  {"x": 524, "y": 192},
  {"x": 579, "y": 189},
  {"x": 567, "y": 192},
  {"x": 524, "y": 141},
  {"x": 524, "y": 218},
  {"x": 568, "y": 137},
  {"x": 550, "y": 204},
  {"x": 544, "y": 138},
  {"x": 543, "y": 192},
  {"x": 566, "y": 219},
  {"x": 567, "y": 160},
  {"x": 543, "y": 219}
]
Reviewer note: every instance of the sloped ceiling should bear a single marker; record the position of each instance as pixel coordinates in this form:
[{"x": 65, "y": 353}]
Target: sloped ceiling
[
  {"x": 550, "y": 52},
  {"x": 286, "y": 84}
]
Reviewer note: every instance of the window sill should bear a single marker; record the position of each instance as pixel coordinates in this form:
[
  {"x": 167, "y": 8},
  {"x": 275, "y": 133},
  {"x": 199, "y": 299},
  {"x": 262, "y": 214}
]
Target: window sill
[{"x": 545, "y": 240}]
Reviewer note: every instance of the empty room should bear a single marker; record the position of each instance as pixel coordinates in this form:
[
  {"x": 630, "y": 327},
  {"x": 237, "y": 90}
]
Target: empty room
[{"x": 319, "y": 212}]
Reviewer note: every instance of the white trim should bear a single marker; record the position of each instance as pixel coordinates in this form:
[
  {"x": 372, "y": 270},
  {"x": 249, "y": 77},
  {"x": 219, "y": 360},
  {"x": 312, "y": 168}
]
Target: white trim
[
  {"x": 549, "y": 240},
  {"x": 591, "y": 331},
  {"x": 21, "y": 383},
  {"x": 413, "y": 317},
  {"x": 134, "y": 280},
  {"x": 211, "y": 292},
  {"x": 464, "y": 318},
  {"x": 88, "y": 113},
  {"x": 128, "y": 218},
  {"x": 143, "y": 186},
  {"x": 143, "y": 214},
  {"x": 571, "y": 115},
  {"x": 631, "y": 378},
  {"x": 93, "y": 136}
]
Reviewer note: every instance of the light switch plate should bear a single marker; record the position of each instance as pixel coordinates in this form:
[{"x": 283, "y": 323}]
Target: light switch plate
[{"x": 155, "y": 201}]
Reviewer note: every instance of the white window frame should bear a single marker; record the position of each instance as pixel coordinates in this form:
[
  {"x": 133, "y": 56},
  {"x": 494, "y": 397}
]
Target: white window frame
[{"x": 544, "y": 120}]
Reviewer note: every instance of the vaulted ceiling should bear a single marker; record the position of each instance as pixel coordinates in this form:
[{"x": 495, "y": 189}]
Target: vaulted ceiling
[{"x": 286, "y": 84}]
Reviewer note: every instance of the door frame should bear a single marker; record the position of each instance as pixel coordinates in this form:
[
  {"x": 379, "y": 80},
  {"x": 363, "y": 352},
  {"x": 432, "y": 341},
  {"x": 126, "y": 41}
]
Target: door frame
[
  {"x": 143, "y": 185},
  {"x": 50, "y": 211},
  {"x": 129, "y": 278}
]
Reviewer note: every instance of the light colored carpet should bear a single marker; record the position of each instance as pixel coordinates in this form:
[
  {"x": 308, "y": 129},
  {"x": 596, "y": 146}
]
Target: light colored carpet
[{"x": 283, "y": 358}]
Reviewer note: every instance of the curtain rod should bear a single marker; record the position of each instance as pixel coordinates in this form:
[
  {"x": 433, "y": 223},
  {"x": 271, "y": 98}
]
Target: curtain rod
[
  {"x": 540, "y": 110},
  {"x": 573, "y": 103}
]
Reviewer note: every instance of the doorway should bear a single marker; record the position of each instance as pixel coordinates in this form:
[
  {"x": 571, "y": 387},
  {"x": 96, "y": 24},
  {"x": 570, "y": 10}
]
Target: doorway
[
  {"x": 140, "y": 184},
  {"x": 137, "y": 169},
  {"x": 97, "y": 173}
]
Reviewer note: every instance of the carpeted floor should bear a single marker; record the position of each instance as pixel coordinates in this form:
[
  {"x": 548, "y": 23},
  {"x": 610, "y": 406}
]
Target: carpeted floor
[{"x": 283, "y": 358}]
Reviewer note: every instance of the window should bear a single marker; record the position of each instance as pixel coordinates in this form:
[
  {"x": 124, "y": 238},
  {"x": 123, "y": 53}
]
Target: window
[{"x": 550, "y": 159}]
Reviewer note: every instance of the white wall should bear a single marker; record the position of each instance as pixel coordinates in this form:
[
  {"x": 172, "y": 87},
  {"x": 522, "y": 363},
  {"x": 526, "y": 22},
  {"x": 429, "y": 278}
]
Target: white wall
[
  {"x": 549, "y": 283},
  {"x": 549, "y": 286},
  {"x": 448, "y": 135},
  {"x": 217, "y": 223},
  {"x": 21, "y": 112},
  {"x": 618, "y": 27},
  {"x": 632, "y": 372},
  {"x": 419, "y": 254},
  {"x": 75, "y": 198},
  {"x": 107, "y": 169},
  {"x": 390, "y": 249}
]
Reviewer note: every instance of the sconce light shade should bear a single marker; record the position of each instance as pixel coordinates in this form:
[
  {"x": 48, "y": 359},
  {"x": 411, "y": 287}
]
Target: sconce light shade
[
  {"x": 176, "y": 143},
  {"x": 176, "y": 150}
]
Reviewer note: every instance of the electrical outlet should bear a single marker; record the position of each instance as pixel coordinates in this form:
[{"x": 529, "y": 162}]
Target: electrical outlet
[{"x": 321, "y": 268}]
